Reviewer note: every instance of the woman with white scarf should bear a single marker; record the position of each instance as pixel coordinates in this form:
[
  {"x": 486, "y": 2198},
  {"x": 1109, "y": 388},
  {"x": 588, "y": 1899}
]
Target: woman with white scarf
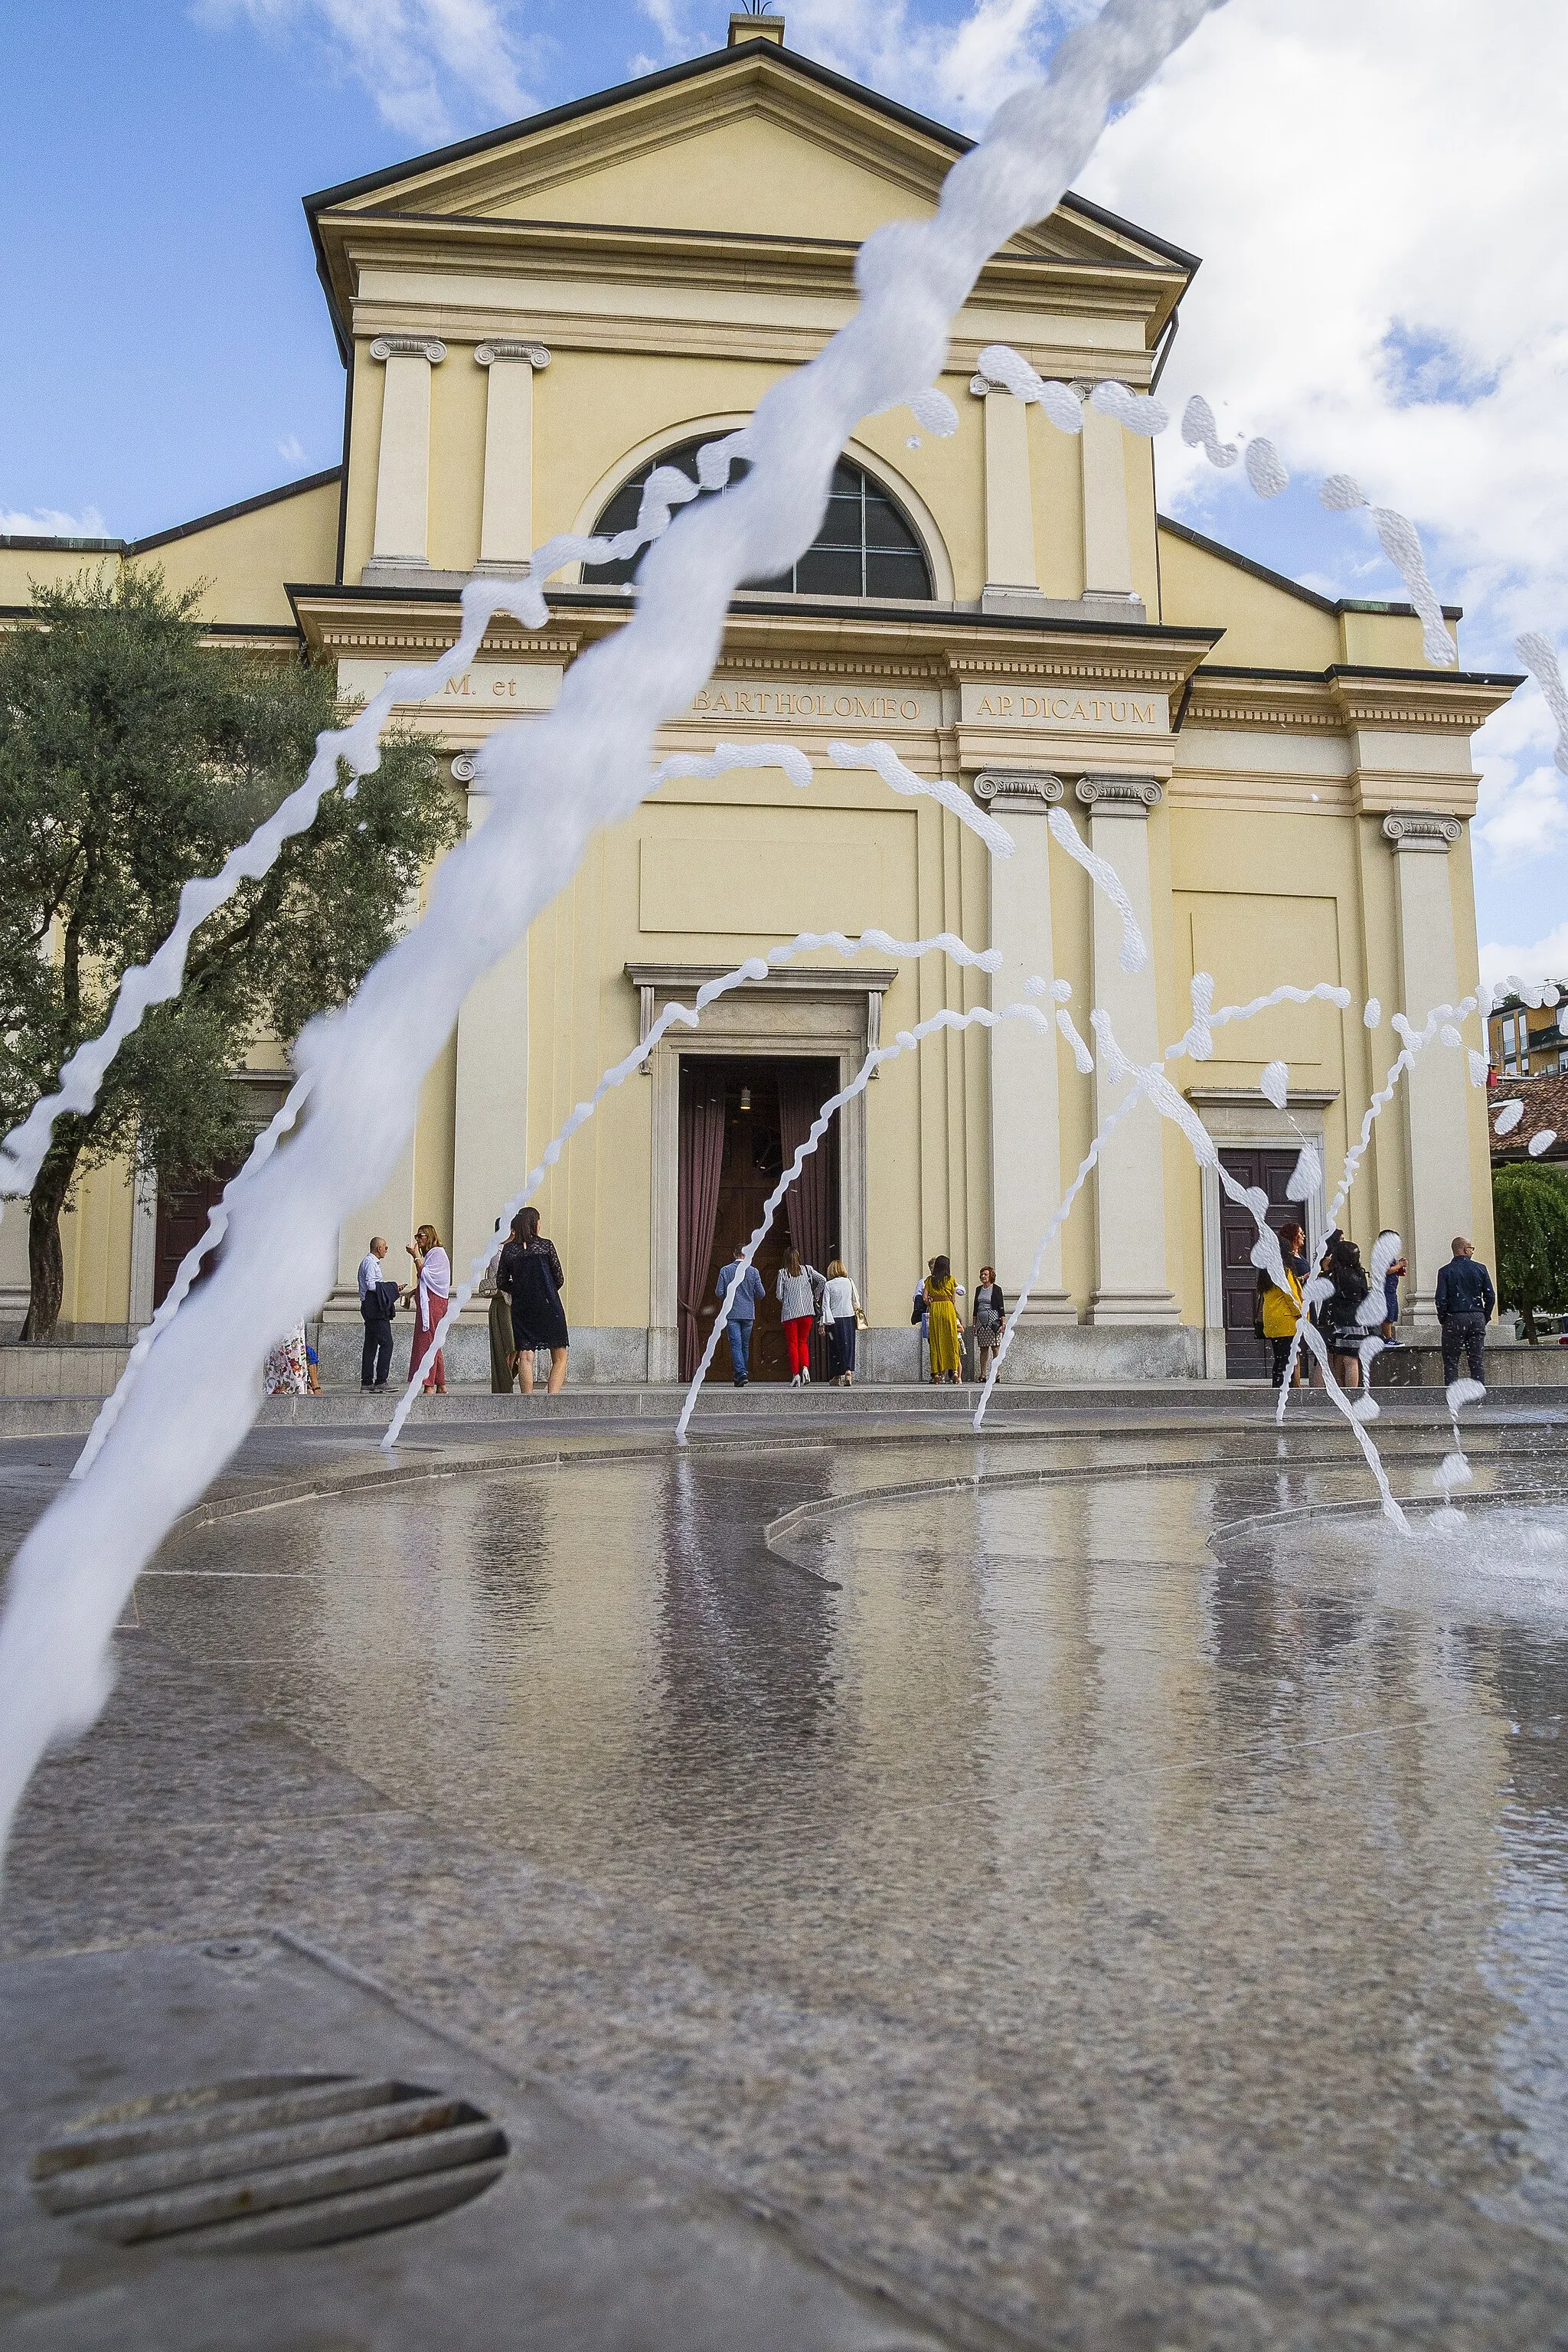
[{"x": 428, "y": 1298}]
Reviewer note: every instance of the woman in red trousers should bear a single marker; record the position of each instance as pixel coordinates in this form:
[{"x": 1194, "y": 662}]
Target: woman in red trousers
[{"x": 797, "y": 1290}]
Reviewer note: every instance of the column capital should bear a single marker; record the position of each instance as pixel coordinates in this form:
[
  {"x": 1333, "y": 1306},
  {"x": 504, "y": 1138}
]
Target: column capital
[
  {"x": 507, "y": 347},
  {"x": 1421, "y": 829},
  {"x": 464, "y": 767},
  {"x": 980, "y": 385},
  {"x": 1121, "y": 795},
  {"x": 1017, "y": 788},
  {"x": 409, "y": 347}
]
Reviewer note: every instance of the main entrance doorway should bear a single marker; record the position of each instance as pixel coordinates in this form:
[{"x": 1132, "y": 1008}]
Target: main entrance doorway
[
  {"x": 1246, "y": 1355},
  {"x": 741, "y": 1123}
]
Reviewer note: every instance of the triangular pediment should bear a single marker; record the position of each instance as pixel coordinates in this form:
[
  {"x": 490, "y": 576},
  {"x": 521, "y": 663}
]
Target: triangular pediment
[{"x": 753, "y": 140}]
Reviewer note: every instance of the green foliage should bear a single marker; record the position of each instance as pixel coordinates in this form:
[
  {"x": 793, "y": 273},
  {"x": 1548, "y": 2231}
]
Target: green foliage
[
  {"x": 1529, "y": 1204},
  {"x": 133, "y": 757}
]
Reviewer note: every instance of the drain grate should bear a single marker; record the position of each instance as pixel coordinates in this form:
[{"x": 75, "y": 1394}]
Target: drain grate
[{"x": 272, "y": 2161}]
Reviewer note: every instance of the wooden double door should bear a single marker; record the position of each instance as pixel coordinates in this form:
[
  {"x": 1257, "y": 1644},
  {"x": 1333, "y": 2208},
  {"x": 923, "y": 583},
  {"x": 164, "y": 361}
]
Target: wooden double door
[
  {"x": 753, "y": 1163},
  {"x": 1269, "y": 1171}
]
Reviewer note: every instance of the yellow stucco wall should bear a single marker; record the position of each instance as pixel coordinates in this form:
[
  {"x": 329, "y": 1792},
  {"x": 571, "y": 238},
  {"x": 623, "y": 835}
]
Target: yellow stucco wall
[
  {"x": 49, "y": 567},
  {"x": 247, "y": 560},
  {"x": 95, "y": 1239},
  {"x": 757, "y": 176},
  {"x": 243, "y": 563}
]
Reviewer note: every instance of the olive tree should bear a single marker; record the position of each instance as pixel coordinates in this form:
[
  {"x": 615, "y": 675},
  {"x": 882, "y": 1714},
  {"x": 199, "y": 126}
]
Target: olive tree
[
  {"x": 134, "y": 754},
  {"x": 1530, "y": 1206}
]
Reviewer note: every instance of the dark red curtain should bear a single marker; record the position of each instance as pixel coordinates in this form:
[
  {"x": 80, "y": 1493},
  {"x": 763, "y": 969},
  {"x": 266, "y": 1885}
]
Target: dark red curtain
[
  {"x": 702, "y": 1161},
  {"x": 807, "y": 1207}
]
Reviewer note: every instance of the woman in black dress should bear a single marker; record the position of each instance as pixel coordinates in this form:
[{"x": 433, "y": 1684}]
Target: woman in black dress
[{"x": 530, "y": 1273}]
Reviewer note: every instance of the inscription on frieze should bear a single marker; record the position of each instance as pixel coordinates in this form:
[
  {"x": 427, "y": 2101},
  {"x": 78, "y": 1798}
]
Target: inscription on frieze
[{"x": 1074, "y": 709}]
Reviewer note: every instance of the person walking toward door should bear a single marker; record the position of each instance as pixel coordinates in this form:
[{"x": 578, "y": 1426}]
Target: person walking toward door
[
  {"x": 378, "y": 1305},
  {"x": 841, "y": 1312},
  {"x": 798, "y": 1289},
  {"x": 741, "y": 1318},
  {"x": 941, "y": 1311},
  {"x": 1465, "y": 1303}
]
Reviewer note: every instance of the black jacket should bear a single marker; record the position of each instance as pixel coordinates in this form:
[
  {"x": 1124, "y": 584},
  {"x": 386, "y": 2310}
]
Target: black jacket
[{"x": 1464, "y": 1287}]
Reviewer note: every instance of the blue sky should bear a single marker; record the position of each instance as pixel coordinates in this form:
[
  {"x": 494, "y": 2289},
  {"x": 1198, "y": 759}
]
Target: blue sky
[{"x": 1362, "y": 301}]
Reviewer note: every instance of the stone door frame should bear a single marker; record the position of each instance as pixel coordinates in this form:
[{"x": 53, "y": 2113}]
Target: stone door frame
[
  {"x": 1242, "y": 1118},
  {"x": 798, "y": 1013}
]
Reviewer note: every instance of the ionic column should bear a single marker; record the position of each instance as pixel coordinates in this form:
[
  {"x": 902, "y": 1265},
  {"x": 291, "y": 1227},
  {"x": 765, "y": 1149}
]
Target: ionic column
[
  {"x": 1107, "y": 542},
  {"x": 505, "y": 529},
  {"x": 490, "y": 1153},
  {"x": 1025, "y": 1131},
  {"x": 1436, "y": 1122},
  {"x": 403, "y": 471},
  {"x": 1009, "y": 506},
  {"x": 1129, "y": 1180}
]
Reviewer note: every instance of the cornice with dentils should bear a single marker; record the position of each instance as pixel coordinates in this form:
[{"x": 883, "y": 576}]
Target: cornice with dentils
[
  {"x": 616, "y": 252},
  {"x": 1345, "y": 696}
]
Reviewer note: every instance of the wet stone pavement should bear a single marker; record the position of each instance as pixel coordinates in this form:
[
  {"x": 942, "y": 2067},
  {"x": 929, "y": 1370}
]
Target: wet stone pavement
[{"x": 1108, "y": 1886}]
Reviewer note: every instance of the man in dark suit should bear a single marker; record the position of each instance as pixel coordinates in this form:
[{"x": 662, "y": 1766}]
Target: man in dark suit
[{"x": 1465, "y": 1302}]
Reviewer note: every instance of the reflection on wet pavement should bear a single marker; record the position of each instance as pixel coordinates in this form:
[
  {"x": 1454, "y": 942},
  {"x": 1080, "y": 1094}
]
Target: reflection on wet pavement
[{"x": 1139, "y": 1940}]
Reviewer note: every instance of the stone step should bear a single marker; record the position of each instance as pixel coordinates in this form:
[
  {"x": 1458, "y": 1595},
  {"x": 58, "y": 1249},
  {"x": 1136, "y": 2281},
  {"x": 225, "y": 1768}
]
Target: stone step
[{"x": 777, "y": 1407}]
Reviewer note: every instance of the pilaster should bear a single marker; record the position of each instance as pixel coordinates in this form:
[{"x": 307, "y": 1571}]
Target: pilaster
[
  {"x": 1026, "y": 1126},
  {"x": 403, "y": 467},
  {"x": 1011, "y": 571},
  {"x": 506, "y": 528},
  {"x": 1435, "y": 1122},
  {"x": 1129, "y": 1180},
  {"x": 1107, "y": 539},
  {"x": 489, "y": 1155}
]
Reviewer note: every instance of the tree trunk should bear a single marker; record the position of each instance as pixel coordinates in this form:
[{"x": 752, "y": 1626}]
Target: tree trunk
[
  {"x": 1530, "y": 1333},
  {"x": 46, "y": 1260}
]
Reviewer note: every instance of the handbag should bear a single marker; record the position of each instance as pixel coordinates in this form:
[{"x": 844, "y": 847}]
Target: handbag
[{"x": 862, "y": 1320}]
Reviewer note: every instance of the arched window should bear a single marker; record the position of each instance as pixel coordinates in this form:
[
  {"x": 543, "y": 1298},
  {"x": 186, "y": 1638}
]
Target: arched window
[{"x": 865, "y": 548}]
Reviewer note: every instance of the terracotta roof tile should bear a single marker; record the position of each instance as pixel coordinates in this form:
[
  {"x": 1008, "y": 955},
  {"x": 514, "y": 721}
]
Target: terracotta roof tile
[{"x": 1545, "y": 1104}]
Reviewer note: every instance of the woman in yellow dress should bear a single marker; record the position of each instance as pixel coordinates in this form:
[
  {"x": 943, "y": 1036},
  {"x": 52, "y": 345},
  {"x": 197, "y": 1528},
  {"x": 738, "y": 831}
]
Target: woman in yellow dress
[{"x": 942, "y": 1308}]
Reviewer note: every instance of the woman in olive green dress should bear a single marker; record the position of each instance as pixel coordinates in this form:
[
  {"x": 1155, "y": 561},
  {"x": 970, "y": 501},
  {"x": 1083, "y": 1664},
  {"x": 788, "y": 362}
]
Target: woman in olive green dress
[{"x": 941, "y": 1305}]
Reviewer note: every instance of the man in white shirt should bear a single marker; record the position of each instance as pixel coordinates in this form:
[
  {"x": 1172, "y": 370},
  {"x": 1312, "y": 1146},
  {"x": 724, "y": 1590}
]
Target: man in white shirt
[{"x": 375, "y": 1357}]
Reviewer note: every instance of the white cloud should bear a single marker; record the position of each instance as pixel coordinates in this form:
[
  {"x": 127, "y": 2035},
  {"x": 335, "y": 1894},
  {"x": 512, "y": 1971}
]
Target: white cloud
[
  {"x": 668, "y": 22},
  {"x": 1522, "y": 816},
  {"x": 435, "y": 68},
  {"x": 1547, "y": 960},
  {"x": 1376, "y": 192},
  {"x": 49, "y": 522},
  {"x": 957, "y": 70},
  {"x": 291, "y": 449}
]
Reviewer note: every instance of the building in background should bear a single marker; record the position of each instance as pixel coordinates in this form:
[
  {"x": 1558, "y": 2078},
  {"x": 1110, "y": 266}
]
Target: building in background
[
  {"x": 1528, "y": 1041},
  {"x": 529, "y": 321}
]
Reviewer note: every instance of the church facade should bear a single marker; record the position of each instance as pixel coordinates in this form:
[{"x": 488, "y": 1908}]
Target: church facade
[{"x": 528, "y": 322}]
